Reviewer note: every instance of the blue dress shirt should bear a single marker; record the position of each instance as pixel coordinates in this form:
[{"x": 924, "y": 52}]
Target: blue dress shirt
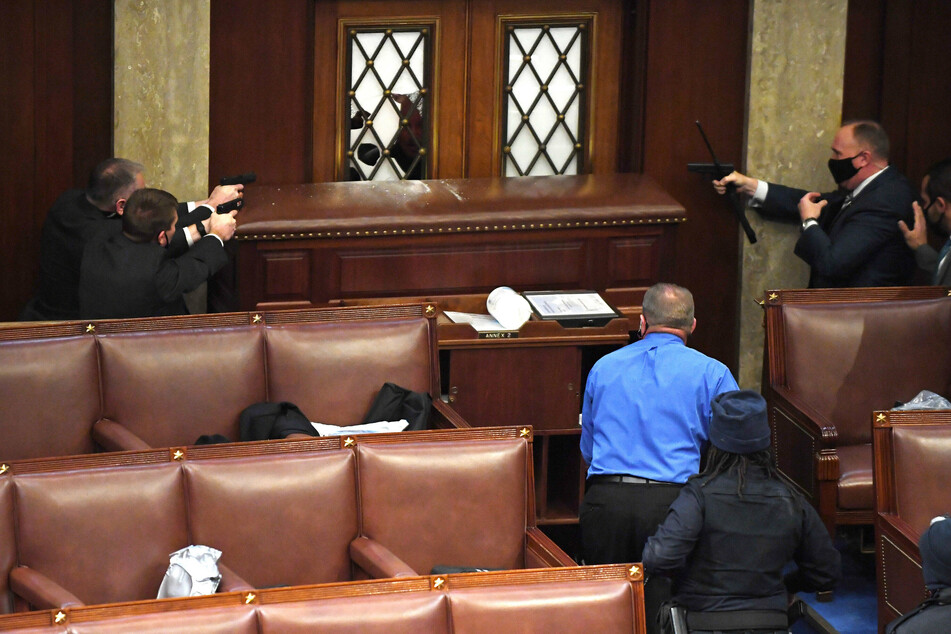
[{"x": 646, "y": 409}]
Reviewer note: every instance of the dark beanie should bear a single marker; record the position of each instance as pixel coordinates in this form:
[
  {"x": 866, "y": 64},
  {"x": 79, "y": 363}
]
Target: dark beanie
[
  {"x": 935, "y": 547},
  {"x": 739, "y": 422}
]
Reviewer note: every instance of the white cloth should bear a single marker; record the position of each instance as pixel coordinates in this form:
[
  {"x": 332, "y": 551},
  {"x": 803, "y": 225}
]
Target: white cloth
[{"x": 192, "y": 572}]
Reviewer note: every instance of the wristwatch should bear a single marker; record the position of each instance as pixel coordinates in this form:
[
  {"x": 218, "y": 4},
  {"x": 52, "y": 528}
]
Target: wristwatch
[
  {"x": 808, "y": 222},
  {"x": 200, "y": 226}
]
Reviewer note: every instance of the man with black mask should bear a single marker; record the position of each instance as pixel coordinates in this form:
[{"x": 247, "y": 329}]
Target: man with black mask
[
  {"x": 134, "y": 269},
  {"x": 849, "y": 237},
  {"x": 935, "y": 207}
]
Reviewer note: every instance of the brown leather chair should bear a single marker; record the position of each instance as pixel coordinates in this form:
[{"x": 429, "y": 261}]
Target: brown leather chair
[
  {"x": 912, "y": 471},
  {"x": 96, "y": 536},
  {"x": 832, "y": 357}
]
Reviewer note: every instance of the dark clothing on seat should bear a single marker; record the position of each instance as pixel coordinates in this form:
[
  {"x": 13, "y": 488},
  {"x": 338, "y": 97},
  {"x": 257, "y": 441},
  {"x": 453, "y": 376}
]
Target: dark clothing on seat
[
  {"x": 932, "y": 615},
  {"x": 728, "y": 552}
]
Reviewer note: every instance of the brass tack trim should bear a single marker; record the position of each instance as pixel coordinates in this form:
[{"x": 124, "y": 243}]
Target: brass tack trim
[
  {"x": 881, "y": 417},
  {"x": 349, "y": 442},
  {"x": 634, "y": 572},
  {"x": 178, "y": 455},
  {"x": 249, "y": 598},
  {"x": 524, "y": 432},
  {"x": 439, "y": 584},
  {"x": 257, "y": 319},
  {"x": 90, "y": 327},
  {"x": 4, "y": 468},
  {"x": 460, "y": 229},
  {"x": 59, "y": 618},
  {"x": 430, "y": 310},
  {"x": 773, "y": 297}
]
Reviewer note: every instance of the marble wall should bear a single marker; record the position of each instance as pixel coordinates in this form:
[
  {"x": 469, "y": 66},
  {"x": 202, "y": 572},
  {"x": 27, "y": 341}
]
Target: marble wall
[
  {"x": 797, "y": 62},
  {"x": 161, "y": 91}
]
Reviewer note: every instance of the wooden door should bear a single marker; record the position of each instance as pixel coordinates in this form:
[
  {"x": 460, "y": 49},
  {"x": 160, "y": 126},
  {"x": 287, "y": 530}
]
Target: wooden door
[{"x": 460, "y": 88}]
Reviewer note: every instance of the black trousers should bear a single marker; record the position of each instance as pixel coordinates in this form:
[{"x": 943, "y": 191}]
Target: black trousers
[{"x": 616, "y": 520}]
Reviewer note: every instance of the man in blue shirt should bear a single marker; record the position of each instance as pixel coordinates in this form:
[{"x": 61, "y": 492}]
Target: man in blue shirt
[{"x": 644, "y": 424}]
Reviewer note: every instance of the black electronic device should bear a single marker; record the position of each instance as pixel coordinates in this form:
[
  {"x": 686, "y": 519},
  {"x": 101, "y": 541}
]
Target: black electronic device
[
  {"x": 240, "y": 179},
  {"x": 231, "y": 205}
]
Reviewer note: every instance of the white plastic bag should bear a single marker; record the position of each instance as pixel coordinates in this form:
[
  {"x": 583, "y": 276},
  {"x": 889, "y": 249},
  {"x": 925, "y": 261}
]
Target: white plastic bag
[{"x": 192, "y": 572}]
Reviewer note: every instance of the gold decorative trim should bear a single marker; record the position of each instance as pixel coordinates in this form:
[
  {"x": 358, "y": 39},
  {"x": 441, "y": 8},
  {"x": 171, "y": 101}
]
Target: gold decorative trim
[
  {"x": 257, "y": 319},
  {"x": 90, "y": 328},
  {"x": 59, "y": 617},
  {"x": 250, "y": 598},
  {"x": 178, "y": 455},
  {"x": 349, "y": 441},
  {"x": 773, "y": 297},
  {"x": 439, "y": 583},
  {"x": 430, "y": 310},
  {"x": 4, "y": 468},
  {"x": 369, "y": 233},
  {"x": 525, "y": 432},
  {"x": 634, "y": 572},
  {"x": 881, "y": 418}
]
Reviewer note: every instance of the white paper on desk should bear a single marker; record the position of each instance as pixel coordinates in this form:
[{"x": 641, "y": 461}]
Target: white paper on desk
[
  {"x": 481, "y": 323},
  {"x": 366, "y": 428}
]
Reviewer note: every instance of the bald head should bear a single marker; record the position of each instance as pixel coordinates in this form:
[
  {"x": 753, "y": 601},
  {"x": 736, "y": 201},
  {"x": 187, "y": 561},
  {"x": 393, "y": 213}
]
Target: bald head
[{"x": 670, "y": 306}]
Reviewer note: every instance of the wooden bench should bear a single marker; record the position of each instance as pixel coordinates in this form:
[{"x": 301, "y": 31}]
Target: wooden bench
[
  {"x": 99, "y": 528},
  {"x": 78, "y": 387},
  {"x": 832, "y": 357},
  {"x": 571, "y": 600}
]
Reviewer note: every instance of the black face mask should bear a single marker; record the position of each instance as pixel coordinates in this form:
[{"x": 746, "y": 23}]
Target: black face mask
[{"x": 842, "y": 169}]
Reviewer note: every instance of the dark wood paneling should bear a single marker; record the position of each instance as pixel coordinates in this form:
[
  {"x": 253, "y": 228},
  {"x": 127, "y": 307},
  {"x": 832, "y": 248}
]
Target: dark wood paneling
[
  {"x": 697, "y": 70},
  {"x": 898, "y": 71},
  {"x": 261, "y": 90},
  {"x": 18, "y": 233},
  {"x": 56, "y": 117}
]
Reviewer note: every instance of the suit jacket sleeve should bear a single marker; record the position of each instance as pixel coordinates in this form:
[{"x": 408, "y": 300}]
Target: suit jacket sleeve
[
  {"x": 182, "y": 274},
  {"x": 668, "y": 549},
  {"x": 867, "y": 231},
  {"x": 782, "y": 203},
  {"x": 927, "y": 258}
]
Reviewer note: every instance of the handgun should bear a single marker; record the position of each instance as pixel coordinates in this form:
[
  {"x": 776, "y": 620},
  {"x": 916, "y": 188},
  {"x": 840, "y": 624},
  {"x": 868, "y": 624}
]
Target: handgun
[{"x": 240, "y": 179}]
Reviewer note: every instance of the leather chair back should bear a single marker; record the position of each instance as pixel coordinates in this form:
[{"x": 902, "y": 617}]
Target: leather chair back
[
  {"x": 50, "y": 394},
  {"x": 333, "y": 371},
  {"x": 922, "y": 459},
  {"x": 278, "y": 520},
  {"x": 229, "y": 620},
  {"x": 105, "y": 534},
  {"x": 408, "y": 612},
  {"x": 405, "y": 491},
  {"x": 171, "y": 387},
  {"x": 846, "y": 360},
  {"x": 566, "y": 608}
]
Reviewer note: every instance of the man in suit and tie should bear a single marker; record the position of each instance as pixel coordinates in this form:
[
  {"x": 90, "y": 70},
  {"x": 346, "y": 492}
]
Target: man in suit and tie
[
  {"x": 849, "y": 237},
  {"x": 935, "y": 207}
]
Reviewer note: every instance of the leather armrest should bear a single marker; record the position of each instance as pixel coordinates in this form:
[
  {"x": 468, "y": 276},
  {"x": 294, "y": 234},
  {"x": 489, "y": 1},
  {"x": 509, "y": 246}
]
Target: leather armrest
[
  {"x": 819, "y": 427},
  {"x": 231, "y": 582},
  {"x": 113, "y": 436},
  {"x": 377, "y": 560},
  {"x": 445, "y": 417},
  {"x": 542, "y": 552},
  {"x": 40, "y": 591}
]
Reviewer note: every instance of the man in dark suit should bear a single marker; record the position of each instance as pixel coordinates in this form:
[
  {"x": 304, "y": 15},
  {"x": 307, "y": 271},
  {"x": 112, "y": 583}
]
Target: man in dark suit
[
  {"x": 936, "y": 208},
  {"x": 78, "y": 215},
  {"x": 134, "y": 270},
  {"x": 849, "y": 237}
]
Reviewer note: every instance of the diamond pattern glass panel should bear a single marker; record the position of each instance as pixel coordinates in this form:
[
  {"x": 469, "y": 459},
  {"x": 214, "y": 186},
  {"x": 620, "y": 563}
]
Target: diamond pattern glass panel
[
  {"x": 546, "y": 66},
  {"x": 388, "y": 100}
]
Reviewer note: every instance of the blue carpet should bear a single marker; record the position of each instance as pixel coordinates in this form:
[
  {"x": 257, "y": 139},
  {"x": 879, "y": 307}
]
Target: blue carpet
[{"x": 853, "y": 609}]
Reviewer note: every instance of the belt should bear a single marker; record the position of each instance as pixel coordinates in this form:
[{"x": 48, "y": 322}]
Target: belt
[{"x": 626, "y": 479}]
